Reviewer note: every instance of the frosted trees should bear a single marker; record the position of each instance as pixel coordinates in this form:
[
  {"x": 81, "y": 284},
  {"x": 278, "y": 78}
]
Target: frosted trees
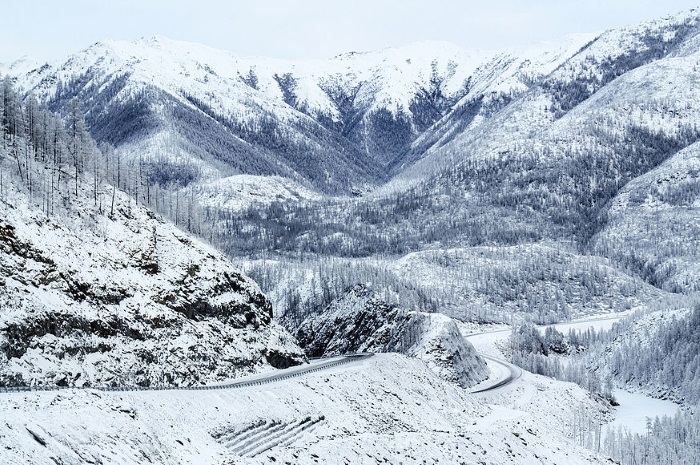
[
  {"x": 45, "y": 150},
  {"x": 79, "y": 141},
  {"x": 12, "y": 123}
]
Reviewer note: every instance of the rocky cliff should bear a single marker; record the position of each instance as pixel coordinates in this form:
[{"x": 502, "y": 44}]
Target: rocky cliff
[
  {"x": 92, "y": 295},
  {"x": 360, "y": 321}
]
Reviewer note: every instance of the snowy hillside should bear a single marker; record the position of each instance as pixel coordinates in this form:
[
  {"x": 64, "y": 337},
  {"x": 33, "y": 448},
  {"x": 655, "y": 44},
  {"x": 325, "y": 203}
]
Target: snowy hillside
[
  {"x": 385, "y": 409},
  {"x": 655, "y": 223},
  {"x": 337, "y": 124},
  {"x": 386, "y": 202},
  {"x": 93, "y": 298},
  {"x": 542, "y": 281},
  {"x": 235, "y": 193}
]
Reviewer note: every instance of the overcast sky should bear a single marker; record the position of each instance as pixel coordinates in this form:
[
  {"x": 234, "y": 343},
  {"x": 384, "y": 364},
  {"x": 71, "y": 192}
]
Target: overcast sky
[{"x": 53, "y": 29}]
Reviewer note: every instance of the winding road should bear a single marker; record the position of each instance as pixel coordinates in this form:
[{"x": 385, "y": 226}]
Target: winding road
[
  {"x": 504, "y": 373},
  {"x": 248, "y": 381},
  {"x": 511, "y": 371}
]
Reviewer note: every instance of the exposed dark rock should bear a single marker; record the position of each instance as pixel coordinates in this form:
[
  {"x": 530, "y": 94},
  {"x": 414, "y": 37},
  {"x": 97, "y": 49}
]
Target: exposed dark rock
[
  {"x": 136, "y": 304},
  {"x": 359, "y": 321}
]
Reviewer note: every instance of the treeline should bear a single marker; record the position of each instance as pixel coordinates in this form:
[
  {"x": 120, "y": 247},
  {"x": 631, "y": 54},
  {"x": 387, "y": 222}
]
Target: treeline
[
  {"x": 537, "y": 353},
  {"x": 303, "y": 288},
  {"x": 49, "y": 153},
  {"x": 662, "y": 359},
  {"x": 667, "y": 363},
  {"x": 666, "y": 441}
]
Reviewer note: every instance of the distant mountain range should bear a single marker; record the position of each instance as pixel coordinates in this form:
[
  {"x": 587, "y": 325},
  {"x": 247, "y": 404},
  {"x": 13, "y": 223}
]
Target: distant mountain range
[
  {"x": 337, "y": 125},
  {"x": 445, "y": 145}
]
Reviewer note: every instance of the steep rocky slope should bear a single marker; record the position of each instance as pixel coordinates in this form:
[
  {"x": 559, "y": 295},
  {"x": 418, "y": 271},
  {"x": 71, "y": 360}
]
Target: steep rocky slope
[
  {"x": 359, "y": 321},
  {"x": 94, "y": 298}
]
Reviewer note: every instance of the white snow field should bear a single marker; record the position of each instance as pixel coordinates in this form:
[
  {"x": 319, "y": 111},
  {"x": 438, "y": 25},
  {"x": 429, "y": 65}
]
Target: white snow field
[
  {"x": 383, "y": 409},
  {"x": 636, "y": 407}
]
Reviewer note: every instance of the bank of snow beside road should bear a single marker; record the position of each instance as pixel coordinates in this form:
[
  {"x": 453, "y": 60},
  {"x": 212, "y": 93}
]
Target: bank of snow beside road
[{"x": 384, "y": 408}]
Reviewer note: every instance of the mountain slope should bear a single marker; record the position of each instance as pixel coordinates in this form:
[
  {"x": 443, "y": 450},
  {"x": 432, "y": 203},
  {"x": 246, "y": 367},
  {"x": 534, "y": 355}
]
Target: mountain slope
[
  {"x": 654, "y": 224},
  {"x": 359, "y": 321},
  {"x": 337, "y": 125},
  {"x": 551, "y": 159},
  {"x": 91, "y": 298}
]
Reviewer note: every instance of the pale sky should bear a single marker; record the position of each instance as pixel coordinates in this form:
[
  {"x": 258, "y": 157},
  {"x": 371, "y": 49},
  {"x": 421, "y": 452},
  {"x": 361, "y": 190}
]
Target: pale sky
[{"x": 53, "y": 29}]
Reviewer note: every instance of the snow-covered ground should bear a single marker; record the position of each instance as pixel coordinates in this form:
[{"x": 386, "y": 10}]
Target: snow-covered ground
[
  {"x": 236, "y": 193},
  {"x": 603, "y": 323},
  {"x": 636, "y": 407},
  {"x": 386, "y": 408}
]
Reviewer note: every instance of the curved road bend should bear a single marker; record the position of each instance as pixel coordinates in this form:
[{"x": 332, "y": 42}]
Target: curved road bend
[
  {"x": 515, "y": 372},
  {"x": 317, "y": 365}
]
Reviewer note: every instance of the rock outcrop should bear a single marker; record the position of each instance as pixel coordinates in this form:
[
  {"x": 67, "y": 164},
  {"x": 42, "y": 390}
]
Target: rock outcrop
[
  {"x": 359, "y": 321},
  {"x": 93, "y": 299}
]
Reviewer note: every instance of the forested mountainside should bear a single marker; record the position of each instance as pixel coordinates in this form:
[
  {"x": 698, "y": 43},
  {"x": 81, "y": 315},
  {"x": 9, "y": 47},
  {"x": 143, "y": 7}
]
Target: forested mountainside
[
  {"x": 339, "y": 125},
  {"x": 530, "y": 152},
  {"x": 555, "y": 167},
  {"x": 99, "y": 291}
]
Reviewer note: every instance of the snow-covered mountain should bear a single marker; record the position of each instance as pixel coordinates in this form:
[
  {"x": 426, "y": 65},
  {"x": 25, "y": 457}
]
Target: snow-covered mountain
[
  {"x": 561, "y": 151},
  {"x": 554, "y": 181},
  {"x": 545, "y": 166},
  {"x": 480, "y": 147},
  {"x": 337, "y": 125},
  {"x": 97, "y": 297}
]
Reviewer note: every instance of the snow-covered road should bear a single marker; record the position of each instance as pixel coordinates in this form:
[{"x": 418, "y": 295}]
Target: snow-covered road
[
  {"x": 247, "y": 381},
  {"x": 503, "y": 373}
]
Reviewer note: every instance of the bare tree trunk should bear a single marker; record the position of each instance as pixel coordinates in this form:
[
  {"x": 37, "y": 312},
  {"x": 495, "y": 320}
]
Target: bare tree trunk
[{"x": 114, "y": 192}]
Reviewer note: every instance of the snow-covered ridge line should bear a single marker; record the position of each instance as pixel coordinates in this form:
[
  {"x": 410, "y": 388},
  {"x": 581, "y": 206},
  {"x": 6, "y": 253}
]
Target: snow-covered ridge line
[
  {"x": 294, "y": 372},
  {"x": 344, "y": 121}
]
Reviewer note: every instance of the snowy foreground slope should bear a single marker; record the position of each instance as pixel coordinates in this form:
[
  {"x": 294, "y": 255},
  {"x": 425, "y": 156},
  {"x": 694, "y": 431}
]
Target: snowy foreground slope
[
  {"x": 89, "y": 298},
  {"x": 384, "y": 409}
]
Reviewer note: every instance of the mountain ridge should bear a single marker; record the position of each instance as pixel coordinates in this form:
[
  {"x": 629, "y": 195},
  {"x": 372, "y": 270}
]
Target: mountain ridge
[{"x": 363, "y": 109}]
